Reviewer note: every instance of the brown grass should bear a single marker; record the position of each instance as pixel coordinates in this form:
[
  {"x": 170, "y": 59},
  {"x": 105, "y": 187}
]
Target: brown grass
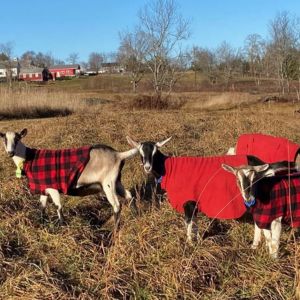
[
  {"x": 31, "y": 103},
  {"x": 149, "y": 258}
]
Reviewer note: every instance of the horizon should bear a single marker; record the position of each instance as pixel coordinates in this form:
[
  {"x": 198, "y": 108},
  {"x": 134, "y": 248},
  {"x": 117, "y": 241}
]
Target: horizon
[{"x": 69, "y": 27}]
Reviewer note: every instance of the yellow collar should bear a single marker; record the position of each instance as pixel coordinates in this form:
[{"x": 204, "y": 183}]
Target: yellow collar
[{"x": 19, "y": 169}]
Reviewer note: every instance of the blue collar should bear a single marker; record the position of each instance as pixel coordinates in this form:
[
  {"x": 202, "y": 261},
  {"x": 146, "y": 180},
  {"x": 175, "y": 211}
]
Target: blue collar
[
  {"x": 157, "y": 181},
  {"x": 249, "y": 204}
]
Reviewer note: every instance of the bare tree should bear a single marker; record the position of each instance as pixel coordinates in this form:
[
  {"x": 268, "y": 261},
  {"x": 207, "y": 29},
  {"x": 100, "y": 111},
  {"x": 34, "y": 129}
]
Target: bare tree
[
  {"x": 255, "y": 50},
  {"x": 226, "y": 56},
  {"x": 27, "y": 58},
  {"x": 176, "y": 67},
  {"x": 163, "y": 29},
  {"x": 204, "y": 61},
  {"x": 30, "y": 58},
  {"x": 43, "y": 60},
  {"x": 131, "y": 55},
  {"x": 73, "y": 58},
  {"x": 95, "y": 61},
  {"x": 284, "y": 33},
  {"x": 7, "y": 51},
  {"x": 58, "y": 61},
  {"x": 292, "y": 71}
]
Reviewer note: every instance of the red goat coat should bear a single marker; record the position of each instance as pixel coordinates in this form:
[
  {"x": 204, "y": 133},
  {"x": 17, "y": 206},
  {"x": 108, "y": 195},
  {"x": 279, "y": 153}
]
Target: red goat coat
[
  {"x": 277, "y": 197},
  {"x": 57, "y": 169},
  {"x": 266, "y": 147},
  {"x": 203, "y": 180}
]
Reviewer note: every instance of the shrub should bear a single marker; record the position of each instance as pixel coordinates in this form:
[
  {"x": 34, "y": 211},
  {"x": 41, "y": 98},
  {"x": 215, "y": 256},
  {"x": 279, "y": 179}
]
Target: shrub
[{"x": 156, "y": 102}]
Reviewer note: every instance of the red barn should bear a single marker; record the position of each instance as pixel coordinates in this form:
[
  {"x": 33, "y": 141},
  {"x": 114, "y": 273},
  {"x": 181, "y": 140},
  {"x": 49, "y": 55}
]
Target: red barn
[
  {"x": 65, "y": 70},
  {"x": 31, "y": 74}
]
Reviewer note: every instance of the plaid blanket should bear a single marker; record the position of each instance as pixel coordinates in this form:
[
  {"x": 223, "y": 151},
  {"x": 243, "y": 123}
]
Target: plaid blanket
[
  {"x": 203, "y": 180},
  {"x": 266, "y": 147},
  {"x": 275, "y": 197},
  {"x": 57, "y": 169}
]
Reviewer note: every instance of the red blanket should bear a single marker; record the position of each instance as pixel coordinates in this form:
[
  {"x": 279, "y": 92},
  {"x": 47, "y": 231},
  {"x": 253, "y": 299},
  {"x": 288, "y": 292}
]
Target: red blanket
[
  {"x": 57, "y": 169},
  {"x": 275, "y": 197},
  {"x": 204, "y": 180},
  {"x": 266, "y": 147}
]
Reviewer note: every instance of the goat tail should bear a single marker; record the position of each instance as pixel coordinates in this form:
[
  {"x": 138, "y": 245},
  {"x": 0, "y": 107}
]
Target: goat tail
[{"x": 128, "y": 154}]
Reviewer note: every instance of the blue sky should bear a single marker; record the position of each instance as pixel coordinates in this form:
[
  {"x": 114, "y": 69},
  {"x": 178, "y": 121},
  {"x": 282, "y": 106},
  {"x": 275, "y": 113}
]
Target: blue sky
[{"x": 83, "y": 26}]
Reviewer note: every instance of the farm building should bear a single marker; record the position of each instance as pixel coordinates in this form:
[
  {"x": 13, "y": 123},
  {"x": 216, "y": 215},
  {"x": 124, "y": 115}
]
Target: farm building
[
  {"x": 111, "y": 67},
  {"x": 14, "y": 66},
  {"x": 35, "y": 74},
  {"x": 58, "y": 71}
]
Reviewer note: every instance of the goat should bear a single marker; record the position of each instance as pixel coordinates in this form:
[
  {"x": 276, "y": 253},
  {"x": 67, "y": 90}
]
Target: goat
[
  {"x": 194, "y": 198},
  {"x": 274, "y": 199},
  {"x": 101, "y": 171}
]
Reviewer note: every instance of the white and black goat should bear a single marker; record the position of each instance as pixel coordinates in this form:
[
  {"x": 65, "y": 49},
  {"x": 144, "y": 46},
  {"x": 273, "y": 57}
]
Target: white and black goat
[
  {"x": 154, "y": 163},
  {"x": 277, "y": 198},
  {"x": 101, "y": 173}
]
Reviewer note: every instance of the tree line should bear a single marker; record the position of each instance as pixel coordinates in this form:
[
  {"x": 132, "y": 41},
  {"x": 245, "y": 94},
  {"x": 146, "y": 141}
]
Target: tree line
[{"x": 155, "y": 46}]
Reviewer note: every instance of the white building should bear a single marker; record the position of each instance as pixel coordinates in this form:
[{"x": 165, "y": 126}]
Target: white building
[{"x": 5, "y": 66}]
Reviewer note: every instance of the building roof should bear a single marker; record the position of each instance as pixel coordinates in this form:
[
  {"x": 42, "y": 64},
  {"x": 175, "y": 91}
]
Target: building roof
[
  {"x": 31, "y": 70},
  {"x": 75, "y": 66}
]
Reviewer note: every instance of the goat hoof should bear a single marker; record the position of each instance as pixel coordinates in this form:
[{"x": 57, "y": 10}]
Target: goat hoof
[{"x": 253, "y": 246}]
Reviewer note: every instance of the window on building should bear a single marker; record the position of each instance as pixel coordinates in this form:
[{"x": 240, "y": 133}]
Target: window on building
[{"x": 30, "y": 75}]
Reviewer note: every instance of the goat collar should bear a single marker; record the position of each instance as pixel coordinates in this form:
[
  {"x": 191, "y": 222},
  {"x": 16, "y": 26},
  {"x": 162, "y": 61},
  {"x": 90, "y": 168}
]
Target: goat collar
[
  {"x": 249, "y": 203},
  {"x": 158, "y": 180},
  {"x": 22, "y": 154},
  {"x": 19, "y": 170}
]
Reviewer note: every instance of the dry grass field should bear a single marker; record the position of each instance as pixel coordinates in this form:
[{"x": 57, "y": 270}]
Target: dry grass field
[{"x": 149, "y": 258}]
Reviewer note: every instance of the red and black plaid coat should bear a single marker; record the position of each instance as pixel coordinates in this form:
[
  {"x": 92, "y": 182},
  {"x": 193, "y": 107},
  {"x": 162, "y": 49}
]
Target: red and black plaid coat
[
  {"x": 57, "y": 169},
  {"x": 275, "y": 197}
]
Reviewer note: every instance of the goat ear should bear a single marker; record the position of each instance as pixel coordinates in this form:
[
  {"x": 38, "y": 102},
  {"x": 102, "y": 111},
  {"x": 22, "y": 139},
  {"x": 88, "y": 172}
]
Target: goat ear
[
  {"x": 132, "y": 143},
  {"x": 261, "y": 168},
  {"x": 160, "y": 144},
  {"x": 229, "y": 168},
  {"x": 2, "y": 135},
  {"x": 23, "y": 132}
]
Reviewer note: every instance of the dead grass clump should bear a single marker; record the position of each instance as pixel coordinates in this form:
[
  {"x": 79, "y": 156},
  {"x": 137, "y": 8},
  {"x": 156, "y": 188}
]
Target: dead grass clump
[
  {"x": 34, "y": 112},
  {"x": 154, "y": 102},
  {"x": 34, "y": 103},
  {"x": 277, "y": 99},
  {"x": 95, "y": 101}
]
